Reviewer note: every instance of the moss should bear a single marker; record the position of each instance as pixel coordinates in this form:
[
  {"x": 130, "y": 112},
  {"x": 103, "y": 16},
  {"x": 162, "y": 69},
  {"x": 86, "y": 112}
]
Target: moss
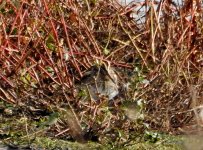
[
  {"x": 166, "y": 143},
  {"x": 47, "y": 143},
  {"x": 13, "y": 132}
]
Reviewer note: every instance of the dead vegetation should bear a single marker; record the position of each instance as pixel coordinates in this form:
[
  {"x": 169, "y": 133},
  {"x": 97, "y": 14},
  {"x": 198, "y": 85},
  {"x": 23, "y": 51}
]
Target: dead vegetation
[{"x": 48, "y": 46}]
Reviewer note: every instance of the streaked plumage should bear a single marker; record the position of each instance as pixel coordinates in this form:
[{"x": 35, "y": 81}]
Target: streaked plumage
[{"x": 101, "y": 80}]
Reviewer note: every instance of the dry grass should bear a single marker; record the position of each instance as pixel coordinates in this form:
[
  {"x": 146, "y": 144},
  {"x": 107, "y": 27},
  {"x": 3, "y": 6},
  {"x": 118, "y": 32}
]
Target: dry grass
[{"x": 47, "y": 46}]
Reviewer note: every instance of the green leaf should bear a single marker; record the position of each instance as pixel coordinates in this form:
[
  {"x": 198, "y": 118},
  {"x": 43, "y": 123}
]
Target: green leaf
[
  {"x": 52, "y": 119},
  {"x": 50, "y": 43}
]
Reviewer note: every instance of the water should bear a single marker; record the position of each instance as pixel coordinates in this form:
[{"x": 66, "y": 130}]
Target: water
[
  {"x": 126, "y": 2},
  {"x": 139, "y": 11}
]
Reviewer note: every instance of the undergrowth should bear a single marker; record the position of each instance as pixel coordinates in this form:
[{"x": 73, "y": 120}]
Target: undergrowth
[{"x": 48, "y": 46}]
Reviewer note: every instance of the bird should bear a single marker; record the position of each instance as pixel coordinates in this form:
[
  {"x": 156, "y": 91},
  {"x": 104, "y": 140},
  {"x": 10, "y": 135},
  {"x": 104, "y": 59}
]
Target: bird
[{"x": 101, "y": 80}]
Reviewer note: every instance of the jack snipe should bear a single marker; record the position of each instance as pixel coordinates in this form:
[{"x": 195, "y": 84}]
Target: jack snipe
[{"x": 101, "y": 81}]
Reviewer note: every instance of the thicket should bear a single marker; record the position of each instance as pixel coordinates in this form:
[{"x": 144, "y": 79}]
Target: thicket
[{"x": 47, "y": 46}]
